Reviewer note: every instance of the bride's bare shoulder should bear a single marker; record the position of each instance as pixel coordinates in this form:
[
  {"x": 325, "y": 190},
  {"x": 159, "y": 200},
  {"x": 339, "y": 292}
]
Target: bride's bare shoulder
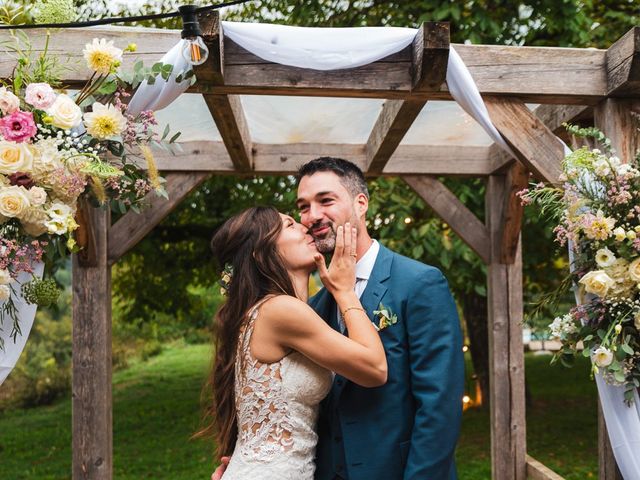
[{"x": 285, "y": 309}]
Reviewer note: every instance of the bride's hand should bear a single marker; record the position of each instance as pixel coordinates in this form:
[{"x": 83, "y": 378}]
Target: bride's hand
[{"x": 341, "y": 274}]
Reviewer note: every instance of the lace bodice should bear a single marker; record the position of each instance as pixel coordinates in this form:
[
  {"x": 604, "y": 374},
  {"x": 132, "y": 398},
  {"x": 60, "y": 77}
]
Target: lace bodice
[{"x": 277, "y": 408}]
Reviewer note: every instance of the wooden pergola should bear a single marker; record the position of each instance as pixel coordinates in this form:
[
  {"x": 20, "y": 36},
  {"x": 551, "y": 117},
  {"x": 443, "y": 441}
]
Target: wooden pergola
[{"x": 602, "y": 86}]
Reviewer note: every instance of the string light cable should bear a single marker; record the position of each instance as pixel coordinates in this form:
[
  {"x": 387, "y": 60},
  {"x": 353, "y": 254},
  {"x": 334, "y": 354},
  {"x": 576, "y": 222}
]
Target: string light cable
[{"x": 112, "y": 20}]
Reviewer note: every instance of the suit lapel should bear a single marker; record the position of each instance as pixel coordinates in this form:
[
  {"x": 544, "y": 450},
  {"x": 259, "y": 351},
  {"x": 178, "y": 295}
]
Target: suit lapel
[{"x": 370, "y": 300}]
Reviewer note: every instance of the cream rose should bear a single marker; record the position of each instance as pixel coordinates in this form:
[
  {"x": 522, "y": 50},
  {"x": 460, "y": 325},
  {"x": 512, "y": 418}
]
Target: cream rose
[
  {"x": 620, "y": 234},
  {"x": 37, "y": 196},
  {"x": 634, "y": 270},
  {"x": 603, "y": 357},
  {"x": 15, "y": 157},
  {"x": 65, "y": 113},
  {"x": 597, "y": 282},
  {"x": 9, "y": 103},
  {"x": 5, "y": 292},
  {"x": 5, "y": 277},
  {"x": 13, "y": 201}
]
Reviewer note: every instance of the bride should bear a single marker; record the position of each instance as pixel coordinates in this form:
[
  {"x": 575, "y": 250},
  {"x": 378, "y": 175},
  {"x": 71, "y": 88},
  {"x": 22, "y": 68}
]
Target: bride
[{"x": 274, "y": 355}]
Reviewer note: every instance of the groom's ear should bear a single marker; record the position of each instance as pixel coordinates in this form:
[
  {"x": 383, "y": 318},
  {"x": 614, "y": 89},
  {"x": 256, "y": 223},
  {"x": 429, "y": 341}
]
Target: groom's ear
[{"x": 361, "y": 204}]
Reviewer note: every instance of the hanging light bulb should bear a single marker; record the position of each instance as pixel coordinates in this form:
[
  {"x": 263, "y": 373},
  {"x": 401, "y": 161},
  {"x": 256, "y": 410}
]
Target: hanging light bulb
[{"x": 194, "y": 49}]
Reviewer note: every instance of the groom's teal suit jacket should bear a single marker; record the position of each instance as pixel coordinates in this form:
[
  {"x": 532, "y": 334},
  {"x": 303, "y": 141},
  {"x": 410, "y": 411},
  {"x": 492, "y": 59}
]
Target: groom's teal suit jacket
[{"x": 406, "y": 429}]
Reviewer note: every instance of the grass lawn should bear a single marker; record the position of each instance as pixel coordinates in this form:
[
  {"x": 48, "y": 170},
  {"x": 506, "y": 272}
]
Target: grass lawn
[{"x": 156, "y": 409}]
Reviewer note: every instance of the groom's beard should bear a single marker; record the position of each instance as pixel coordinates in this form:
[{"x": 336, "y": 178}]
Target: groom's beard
[{"x": 327, "y": 243}]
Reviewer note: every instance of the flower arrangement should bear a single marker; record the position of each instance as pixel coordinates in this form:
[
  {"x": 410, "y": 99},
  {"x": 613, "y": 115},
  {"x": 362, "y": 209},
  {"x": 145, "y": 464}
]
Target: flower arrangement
[
  {"x": 598, "y": 212},
  {"x": 58, "y": 147}
]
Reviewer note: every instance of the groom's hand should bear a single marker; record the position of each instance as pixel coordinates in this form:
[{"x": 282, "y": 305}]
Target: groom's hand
[{"x": 217, "y": 475}]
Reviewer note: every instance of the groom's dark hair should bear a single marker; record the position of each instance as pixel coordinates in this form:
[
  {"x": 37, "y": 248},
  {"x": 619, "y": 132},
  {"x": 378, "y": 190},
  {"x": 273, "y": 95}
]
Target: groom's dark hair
[{"x": 350, "y": 174}]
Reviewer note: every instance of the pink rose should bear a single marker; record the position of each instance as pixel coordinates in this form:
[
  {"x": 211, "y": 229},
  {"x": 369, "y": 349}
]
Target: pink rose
[
  {"x": 40, "y": 95},
  {"x": 18, "y": 127},
  {"x": 9, "y": 103}
]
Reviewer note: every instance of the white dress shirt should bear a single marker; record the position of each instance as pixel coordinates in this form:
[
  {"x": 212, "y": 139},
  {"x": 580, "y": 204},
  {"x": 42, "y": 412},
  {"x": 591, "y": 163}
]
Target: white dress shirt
[{"x": 364, "y": 267}]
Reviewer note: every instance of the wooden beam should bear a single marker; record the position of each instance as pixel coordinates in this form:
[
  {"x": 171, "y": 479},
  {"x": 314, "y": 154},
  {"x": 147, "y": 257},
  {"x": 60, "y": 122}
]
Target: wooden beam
[
  {"x": 532, "y": 141},
  {"x": 226, "y": 110},
  {"x": 553, "y": 116},
  {"x": 623, "y": 65},
  {"x": 392, "y": 124},
  {"x": 506, "y": 351},
  {"x": 534, "y": 74},
  {"x": 285, "y": 159},
  {"x": 429, "y": 70},
  {"x": 430, "y": 50},
  {"x": 617, "y": 118},
  {"x": 517, "y": 179},
  {"x": 538, "y": 471},
  {"x": 614, "y": 118},
  {"x": 91, "y": 363},
  {"x": 133, "y": 227},
  {"x": 448, "y": 207}
]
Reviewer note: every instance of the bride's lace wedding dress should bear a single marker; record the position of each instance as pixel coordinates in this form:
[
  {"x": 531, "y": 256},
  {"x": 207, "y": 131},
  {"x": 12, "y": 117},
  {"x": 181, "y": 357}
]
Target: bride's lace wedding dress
[{"x": 277, "y": 408}]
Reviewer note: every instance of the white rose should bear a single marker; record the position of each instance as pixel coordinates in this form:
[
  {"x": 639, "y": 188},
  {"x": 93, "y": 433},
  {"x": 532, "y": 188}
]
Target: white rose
[
  {"x": 634, "y": 270},
  {"x": 632, "y": 235},
  {"x": 605, "y": 257},
  {"x": 37, "y": 196},
  {"x": 9, "y": 103},
  {"x": 602, "y": 357},
  {"x": 620, "y": 234},
  {"x": 597, "y": 282},
  {"x": 5, "y": 277},
  {"x": 13, "y": 201},
  {"x": 15, "y": 157},
  {"x": 5, "y": 292},
  {"x": 65, "y": 113}
]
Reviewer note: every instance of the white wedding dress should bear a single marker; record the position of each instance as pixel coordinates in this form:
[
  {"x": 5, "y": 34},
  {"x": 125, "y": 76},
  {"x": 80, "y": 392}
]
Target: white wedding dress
[{"x": 277, "y": 408}]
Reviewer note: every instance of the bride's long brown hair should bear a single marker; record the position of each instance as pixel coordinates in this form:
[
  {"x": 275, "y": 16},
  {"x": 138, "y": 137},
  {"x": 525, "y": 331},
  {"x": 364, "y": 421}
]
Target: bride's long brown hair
[{"x": 247, "y": 242}]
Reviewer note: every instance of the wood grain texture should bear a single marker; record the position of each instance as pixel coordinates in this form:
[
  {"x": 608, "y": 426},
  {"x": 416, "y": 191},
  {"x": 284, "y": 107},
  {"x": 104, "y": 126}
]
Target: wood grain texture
[
  {"x": 538, "y": 471},
  {"x": 133, "y": 227},
  {"x": 532, "y": 141},
  {"x": 618, "y": 119},
  {"x": 430, "y": 56},
  {"x": 517, "y": 178},
  {"x": 226, "y": 110},
  {"x": 623, "y": 65},
  {"x": 451, "y": 210},
  {"x": 91, "y": 363},
  {"x": 506, "y": 351}
]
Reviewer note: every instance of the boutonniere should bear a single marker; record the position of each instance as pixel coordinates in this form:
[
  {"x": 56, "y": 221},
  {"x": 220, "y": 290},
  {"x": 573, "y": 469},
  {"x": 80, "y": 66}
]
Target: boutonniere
[{"x": 385, "y": 317}]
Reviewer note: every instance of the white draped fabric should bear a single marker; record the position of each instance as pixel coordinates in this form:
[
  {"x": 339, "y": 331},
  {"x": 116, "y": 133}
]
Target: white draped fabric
[
  {"x": 26, "y": 313},
  {"x": 340, "y": 48}
]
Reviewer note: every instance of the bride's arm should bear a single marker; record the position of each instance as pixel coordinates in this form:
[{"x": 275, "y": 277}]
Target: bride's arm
[{"x": 359, "y": 357}]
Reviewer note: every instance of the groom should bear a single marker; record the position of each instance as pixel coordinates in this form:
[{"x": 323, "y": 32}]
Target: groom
[{"x": 408, "y": 428}]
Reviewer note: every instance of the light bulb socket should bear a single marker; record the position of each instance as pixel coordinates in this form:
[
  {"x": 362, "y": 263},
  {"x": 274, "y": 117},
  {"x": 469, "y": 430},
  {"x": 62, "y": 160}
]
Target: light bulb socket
[{"x": 190, "y": 25}]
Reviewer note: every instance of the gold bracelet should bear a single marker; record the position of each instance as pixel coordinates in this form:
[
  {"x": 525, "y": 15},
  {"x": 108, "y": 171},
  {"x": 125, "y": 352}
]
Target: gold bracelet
[{"x": 351, "y": 308}]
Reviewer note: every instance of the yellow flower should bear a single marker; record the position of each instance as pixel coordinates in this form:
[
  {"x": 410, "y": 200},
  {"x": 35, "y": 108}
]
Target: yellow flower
[
  {"x": 152, "y": 168},
  {"x": 102, "y": 56},
  {"x": 104, "y": 121},
  {"x": 600, "y": 227}
]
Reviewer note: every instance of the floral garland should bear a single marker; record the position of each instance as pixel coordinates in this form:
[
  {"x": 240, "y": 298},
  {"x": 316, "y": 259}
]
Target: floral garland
[
  {"x": 598, "y": 213},
  {"x": 57, "y": 147}
]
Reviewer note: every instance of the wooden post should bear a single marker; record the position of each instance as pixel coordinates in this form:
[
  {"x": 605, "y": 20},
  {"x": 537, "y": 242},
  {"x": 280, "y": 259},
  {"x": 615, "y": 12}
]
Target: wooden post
[
  {"x": 92, "y": 411},
  {"x": 614, "y": 117},
  {"x": 506, "y": 352}
]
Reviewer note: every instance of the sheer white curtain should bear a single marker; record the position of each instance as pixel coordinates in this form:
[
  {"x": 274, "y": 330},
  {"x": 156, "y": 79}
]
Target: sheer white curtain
[
  {"x": 339, "y": 48},
  {"x": 26, "y": 313}
]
